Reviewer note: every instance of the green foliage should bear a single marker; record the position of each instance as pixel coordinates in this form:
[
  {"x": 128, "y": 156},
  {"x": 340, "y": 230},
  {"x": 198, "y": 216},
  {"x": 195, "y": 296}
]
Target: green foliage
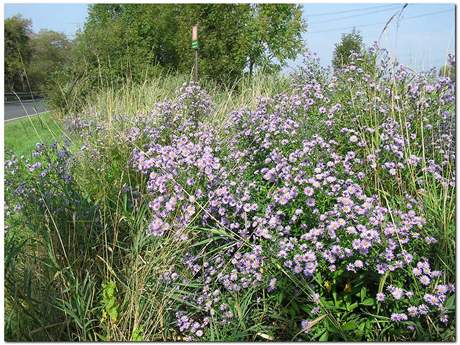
[
  {"x": 134, "y": 42},
  {"x": 31, "y": 59},
  {"x": 238, "y": 38},
  {"x": 137, "y": 334},
  {"x": 109, "y": 302},
  {"x": 17, "y": 52},
  {"x": 49, "y": 52},
  {"x": 349, "y": 43}
]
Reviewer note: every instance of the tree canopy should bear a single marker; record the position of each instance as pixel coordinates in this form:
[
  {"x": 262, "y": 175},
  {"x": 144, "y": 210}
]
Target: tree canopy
[
  {"x": 349, "y": 43},
  {"x": 32, "y": 58},
  {"x": 17, "y": 52},
  {"x": 129, "y": 39},
  {"x": 49, "y": 52}
]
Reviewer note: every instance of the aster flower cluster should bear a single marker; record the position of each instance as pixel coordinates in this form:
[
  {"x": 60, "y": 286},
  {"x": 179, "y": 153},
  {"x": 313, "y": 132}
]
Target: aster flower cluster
[
  {"x": 44, "y": 176},
  {"x": 295, "y": 187},
  {"x": 279, "y": 191},
  {"x": 44, "y": 186}
]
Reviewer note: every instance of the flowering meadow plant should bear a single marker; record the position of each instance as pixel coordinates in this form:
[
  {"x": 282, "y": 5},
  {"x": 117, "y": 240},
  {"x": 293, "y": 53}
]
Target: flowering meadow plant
[
  {"x": 307, "y": 203},
  {"x": 322, "y": 213}
]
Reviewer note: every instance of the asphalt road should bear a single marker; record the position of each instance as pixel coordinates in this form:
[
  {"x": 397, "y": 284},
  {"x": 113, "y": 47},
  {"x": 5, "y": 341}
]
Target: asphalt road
[{"x": 18, "y": 109}]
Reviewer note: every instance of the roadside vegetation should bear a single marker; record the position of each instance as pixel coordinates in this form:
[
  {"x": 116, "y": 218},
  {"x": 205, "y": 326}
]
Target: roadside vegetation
[
  {"x": 316, "y": 206},
  {"x": 23, "y": 134}
]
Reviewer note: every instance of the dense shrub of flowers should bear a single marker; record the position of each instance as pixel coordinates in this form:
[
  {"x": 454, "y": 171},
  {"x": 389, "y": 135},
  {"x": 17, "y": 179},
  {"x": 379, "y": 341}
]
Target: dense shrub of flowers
[{"x": 287, "y": 186}]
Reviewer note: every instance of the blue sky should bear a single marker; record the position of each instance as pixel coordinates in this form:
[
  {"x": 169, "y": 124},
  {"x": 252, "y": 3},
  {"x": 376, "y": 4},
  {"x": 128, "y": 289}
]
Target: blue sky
[
  {"x": 420, "y": 42},
  {"x": 66, "y": 18}
]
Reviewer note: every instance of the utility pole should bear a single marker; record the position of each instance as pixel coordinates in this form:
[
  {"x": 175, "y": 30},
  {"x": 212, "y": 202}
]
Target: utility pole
[{"x": 195, "y": 47}]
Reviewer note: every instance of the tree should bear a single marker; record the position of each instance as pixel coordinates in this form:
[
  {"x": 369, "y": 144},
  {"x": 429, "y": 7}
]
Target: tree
[
  {"x": 49, "y": 52},
  {"x": 352, "y": 42},
  {"x": 126, "y": 40},
  {"x": 17, "y": 53},
  {"x": 238, "y": 38},
  {"x": 30, "y": 59},
  {"x": 276, "y": 35},
  {"x": 221, "y": 47}
]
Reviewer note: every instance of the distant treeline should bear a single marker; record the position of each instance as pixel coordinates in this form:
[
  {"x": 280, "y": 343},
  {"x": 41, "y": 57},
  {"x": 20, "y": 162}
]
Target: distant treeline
[
  {"x": 32, "y": 58},
  {"x": 121, "y": 42}
]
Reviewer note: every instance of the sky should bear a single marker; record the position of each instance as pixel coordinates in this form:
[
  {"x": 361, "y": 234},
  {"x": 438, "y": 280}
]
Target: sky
[
  {"x": 66, "y": 18},
  {"x": 424, "y": 36}
]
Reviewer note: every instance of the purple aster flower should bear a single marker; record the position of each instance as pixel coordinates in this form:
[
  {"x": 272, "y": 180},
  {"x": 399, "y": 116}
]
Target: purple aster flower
[
  {"x": 156, "y": 227},
  {"x": 35, "y": 166},
  {"x": 308, "y": 191},
  {"x": 416, "y": 271},
  {"x": 425, "y": 280},
  {"x": 397, "y": 293},
  {"x": 311, "y": 202},
  {"x": 382, "y": 268},
  {"x": 272, "y": 285},
  {"x": 423, "y": 309},
  {"x": 442, "y": 289},
  {"x": 305, "y": 324},
  {"x": 412, "y": 311},
  {"x": 431, "y": 299},
  {"x": 315, "y": 298},
  {"x": 354, "y": 139},
  {"x": 444, "y": 319},
  {"x": 398, "y": 317}
]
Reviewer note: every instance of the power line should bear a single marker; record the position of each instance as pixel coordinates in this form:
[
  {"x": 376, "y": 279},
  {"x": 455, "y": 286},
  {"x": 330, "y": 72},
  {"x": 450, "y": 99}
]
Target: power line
[
  {"x": 346, "y": 11},
  {"x": 393, "y": 7},
  {"x": 366, "y": 25}
]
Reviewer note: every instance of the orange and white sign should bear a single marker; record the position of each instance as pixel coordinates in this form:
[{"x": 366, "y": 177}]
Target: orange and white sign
[{"x": 195, "y": 33}]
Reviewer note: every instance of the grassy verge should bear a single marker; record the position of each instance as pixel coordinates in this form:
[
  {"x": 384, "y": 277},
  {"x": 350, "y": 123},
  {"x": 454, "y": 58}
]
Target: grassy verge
[{"x": 21, "y": 135}]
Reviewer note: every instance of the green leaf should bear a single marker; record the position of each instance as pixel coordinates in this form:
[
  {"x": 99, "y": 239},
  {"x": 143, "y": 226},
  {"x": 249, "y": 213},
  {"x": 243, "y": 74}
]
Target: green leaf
[
  {"x": 137, "y": 334},
  {"x": 450, "y": 303},
  {"x": 363, "y": 293},
  {"x": 368, "y": 301},
  {"x": 350, "y": 325},
  {"x": 352, "y": 306},
  {"x": 109, "y": 301},
  {"x": 319, "y": 279},
  {"x": 324, "y": 336}
]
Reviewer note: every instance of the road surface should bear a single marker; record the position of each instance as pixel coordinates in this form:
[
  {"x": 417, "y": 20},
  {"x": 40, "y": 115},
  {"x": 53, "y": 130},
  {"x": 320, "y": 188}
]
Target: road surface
[{"x": 18, "y": 109}]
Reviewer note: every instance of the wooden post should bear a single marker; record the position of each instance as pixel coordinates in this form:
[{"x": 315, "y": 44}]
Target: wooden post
[
  {"x": 196, "y": 65},
  {"x": 195, "y": 46}
]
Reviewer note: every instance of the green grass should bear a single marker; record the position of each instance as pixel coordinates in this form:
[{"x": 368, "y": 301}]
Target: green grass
[{"x": 21, "y": 135}]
